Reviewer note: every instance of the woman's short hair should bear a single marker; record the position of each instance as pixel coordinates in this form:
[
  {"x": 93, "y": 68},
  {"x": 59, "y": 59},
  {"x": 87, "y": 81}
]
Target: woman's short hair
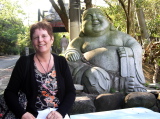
[{"x": 41, "y": 25}]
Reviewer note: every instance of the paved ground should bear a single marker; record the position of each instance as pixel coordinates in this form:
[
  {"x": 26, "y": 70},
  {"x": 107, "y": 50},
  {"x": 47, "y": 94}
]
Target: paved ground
[
  {"x": 6, "y": 66},
  {"x": 4, "y": 78}
]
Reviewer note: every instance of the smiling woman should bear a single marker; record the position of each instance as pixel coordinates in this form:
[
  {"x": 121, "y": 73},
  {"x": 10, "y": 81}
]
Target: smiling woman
[
  {"x": 42, "y": 41},
  {"x": 48, "y": 84}
]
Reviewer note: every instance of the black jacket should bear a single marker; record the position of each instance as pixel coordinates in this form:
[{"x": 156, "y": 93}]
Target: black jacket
[{"x": 23, "y": 78}]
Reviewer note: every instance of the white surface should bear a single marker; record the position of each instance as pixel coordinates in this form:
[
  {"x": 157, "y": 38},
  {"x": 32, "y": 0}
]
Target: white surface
[
  {"x": 129, "y": 113},
  {"x": 43, "y": 114}
]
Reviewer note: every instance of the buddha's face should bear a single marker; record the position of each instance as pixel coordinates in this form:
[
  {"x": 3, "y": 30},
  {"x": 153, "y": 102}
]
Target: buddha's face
[{"x": 94, "y": 22}]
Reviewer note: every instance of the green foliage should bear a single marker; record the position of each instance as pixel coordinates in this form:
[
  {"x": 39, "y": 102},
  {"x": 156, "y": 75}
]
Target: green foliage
[
  {"x": 112, "y": 90},
  {"x": 10, "y": 26},
  {"x": 56, "y": 48},
  {"x": 151, "y": 11},
  {"x": 116, "y": 15},
  {"x": 152, "y": 16},
  {"x": 146, "y": 84},
  {"x": 24, "y": 40}
]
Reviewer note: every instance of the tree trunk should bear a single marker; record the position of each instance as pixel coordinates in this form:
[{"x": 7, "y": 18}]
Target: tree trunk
[
  {"x": 61, "y": 12},
  {"x": 156, "y": 70},
  {"x": 127, "y": 13},
  {"x": 132, "y": 18},
  {"x": 74, "y": 17},
  {"x": 142, "y": 24},
  {"x": 88, "y": 3}
]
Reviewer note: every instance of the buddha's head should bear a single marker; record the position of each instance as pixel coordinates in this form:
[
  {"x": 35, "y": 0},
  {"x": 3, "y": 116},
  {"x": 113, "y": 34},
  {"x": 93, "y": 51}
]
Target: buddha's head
[{"x": 94, "y": 22}]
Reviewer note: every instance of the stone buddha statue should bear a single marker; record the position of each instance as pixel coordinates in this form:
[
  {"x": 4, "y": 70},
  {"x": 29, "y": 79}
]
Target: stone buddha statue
[{"x": 104, "y": 59}]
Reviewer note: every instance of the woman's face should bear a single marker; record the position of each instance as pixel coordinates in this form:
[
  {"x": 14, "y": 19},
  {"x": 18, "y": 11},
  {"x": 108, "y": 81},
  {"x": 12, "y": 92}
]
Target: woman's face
[{"x": 42, "y": 41}]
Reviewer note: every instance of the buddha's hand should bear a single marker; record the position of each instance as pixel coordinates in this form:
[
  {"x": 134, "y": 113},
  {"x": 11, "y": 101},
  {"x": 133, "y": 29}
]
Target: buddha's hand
[
  {"x": 72, "y": 55},
  {"x": 125, "y": 51}
]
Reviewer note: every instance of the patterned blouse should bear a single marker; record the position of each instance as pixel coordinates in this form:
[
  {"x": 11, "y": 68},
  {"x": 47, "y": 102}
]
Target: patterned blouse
[{"x": 47, "y": 89}]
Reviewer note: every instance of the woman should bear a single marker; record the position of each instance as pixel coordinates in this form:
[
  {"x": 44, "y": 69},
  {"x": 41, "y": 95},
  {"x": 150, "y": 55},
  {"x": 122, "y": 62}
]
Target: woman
[{"x": 45, "y": 79}]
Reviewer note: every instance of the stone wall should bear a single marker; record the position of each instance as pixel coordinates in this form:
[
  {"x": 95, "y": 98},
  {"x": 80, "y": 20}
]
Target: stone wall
[{"x": 88, "y": 103}]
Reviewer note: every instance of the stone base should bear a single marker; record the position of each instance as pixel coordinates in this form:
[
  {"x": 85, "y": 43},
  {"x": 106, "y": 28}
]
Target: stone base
[{"x": 89, "y": 103}]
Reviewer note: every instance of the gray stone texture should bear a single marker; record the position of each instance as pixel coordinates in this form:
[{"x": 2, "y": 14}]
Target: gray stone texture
[
  {"x": 103, "y": 58},
  {"x": 109, "y": 101},
  {"x": 140, "y": 99},
  {"x": 82, "y": 104},
  {"x": 86, "y": 103}
]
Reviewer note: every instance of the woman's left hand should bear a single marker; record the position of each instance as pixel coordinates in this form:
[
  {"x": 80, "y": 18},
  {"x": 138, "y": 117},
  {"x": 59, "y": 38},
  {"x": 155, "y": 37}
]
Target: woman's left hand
[{"x": 54, "y": 115}]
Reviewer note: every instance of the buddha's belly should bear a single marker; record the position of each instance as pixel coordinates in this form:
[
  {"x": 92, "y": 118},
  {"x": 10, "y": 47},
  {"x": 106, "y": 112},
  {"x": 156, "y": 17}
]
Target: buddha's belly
[{"x": 106, "y": 58}]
